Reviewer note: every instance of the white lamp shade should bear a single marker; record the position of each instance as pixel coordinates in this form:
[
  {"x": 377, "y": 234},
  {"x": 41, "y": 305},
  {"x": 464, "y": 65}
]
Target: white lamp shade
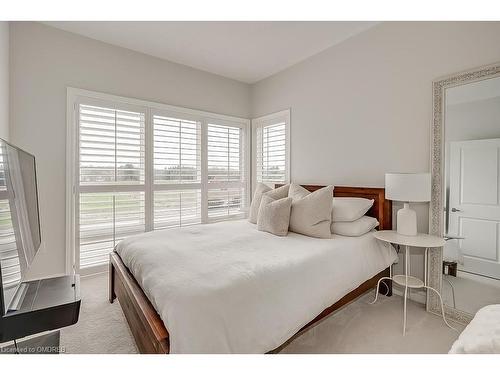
[{"x": 408, "y": 187}]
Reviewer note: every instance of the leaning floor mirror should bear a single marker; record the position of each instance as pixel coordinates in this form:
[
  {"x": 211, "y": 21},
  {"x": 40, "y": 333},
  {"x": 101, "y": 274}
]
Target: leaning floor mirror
[{"x": 465, "y": 205}]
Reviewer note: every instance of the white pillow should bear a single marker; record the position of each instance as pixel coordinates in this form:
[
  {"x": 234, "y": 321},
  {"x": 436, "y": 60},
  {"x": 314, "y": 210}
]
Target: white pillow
[
  {"x": 254, "y": 206},
  {"x": 350, "y": 209},
  {"x": 311, "y": 212},
  {"x": 274, "y": 215},
  {"x": 354, "y": 228}
]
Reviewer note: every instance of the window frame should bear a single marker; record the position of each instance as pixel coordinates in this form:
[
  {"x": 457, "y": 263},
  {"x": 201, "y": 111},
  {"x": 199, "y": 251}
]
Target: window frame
[
  {"x": 266, "y": 120},
  {"x": 75, "y": 96}
]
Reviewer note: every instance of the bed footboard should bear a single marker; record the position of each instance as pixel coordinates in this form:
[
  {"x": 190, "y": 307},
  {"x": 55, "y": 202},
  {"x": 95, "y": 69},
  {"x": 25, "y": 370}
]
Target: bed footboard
[{"x": 149, "y": 332}]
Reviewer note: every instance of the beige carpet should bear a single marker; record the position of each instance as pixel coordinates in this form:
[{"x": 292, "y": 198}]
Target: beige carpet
[
  {"x": 470, "y": 295},
  {"x": 357, "y": 328},
  {"x": 102, "y": 327},
  {"x": 364, "y": 328}
]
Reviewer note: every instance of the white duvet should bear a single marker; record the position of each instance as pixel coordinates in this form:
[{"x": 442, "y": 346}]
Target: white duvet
[
  {"x": 228, "y": 288},
  {"x": 482, "y": 335}
]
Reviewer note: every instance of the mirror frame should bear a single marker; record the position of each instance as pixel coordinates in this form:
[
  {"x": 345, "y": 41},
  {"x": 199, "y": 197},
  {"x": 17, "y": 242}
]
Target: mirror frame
[{"x": 436, "y": 208}]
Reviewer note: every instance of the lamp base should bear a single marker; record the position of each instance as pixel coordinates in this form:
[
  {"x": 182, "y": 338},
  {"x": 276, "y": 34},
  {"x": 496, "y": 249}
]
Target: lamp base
[{"x": 407, "y": 221}]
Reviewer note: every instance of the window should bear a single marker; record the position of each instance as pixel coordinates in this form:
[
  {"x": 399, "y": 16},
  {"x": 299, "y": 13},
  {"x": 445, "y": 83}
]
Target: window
[
  {"x": 177, "y": 171},
  {"x": 111, "y": 189},
  {"x": 226, "y": 171},
  {"x": 272, "y": 148},
  {"x": 138, "y": 166}
]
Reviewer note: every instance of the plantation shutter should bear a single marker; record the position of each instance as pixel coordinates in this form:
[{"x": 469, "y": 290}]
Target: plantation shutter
[
  {"x": 11, "y": 267},
  {"x": 177, "y": 171},
  {"x": 226, "y": 182},
  {"x": 271, "y": 148},
  {"x": 111, "y": 199},
  {"x": 147, "y": 166}
]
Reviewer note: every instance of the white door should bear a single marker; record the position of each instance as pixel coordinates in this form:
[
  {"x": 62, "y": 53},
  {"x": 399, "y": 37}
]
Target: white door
[{"x": 474, "y": 206}]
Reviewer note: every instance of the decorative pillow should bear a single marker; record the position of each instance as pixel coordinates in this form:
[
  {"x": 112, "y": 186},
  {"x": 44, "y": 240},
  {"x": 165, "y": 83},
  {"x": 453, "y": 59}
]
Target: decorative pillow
[
  {"x": 279, "y": 193},
  {"x": 350, "y": 209},
  {"x": 354, "y": 228},
  {"x": 311, "y": 212},
  {"x": 274, "y": 215},
  {"x": 297, "y": 192},
  {"x": 254, "y": 206}
]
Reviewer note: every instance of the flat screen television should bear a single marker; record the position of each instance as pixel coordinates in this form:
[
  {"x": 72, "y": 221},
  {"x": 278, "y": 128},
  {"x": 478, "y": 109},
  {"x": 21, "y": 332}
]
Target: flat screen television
[{"x": 20, "y": 236}]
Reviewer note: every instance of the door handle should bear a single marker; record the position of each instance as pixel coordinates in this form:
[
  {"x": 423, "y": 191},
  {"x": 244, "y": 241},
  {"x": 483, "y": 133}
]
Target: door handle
[
  {"x": 448, "y": 237},
  {"x": 455, "y": 210}
]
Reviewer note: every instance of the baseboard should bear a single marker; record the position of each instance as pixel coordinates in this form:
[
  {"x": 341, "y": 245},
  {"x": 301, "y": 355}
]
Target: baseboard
[
  {"x": 479, "y": 278},
  {"x": 50, "y": 276},
  {"x": 95, "y": 270}
]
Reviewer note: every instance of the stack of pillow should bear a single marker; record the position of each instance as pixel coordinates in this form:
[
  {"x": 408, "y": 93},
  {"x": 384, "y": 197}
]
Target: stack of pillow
[
  {"x": 349, "y": 219},
  {"x": 293, "y": 208}
]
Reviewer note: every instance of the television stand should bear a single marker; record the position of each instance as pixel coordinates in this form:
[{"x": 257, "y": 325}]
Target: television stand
[{"x": 42, "y": 305}]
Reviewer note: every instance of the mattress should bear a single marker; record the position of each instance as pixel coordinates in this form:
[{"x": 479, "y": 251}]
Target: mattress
[{"x": 228, "y": 288}]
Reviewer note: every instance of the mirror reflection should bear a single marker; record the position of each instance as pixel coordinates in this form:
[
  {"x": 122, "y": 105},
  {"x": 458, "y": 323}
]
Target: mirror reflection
[
  {"x": 19, "y": 221},
  {"x": 471, "y": 266}
]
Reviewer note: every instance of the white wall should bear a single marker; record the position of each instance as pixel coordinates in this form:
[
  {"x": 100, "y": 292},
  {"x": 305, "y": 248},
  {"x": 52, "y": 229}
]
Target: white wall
[
  {"x": 365, "y": 104},
  {"x": 4, "y": 80},
  {"x": 44, "y": 61},
  {"x": 363, "y": 108},
  {"x": 473, "y": 120}
]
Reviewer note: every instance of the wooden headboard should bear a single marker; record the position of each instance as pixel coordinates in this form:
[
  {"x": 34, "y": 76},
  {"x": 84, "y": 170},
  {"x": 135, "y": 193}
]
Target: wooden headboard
[{"x": 381, "y": 209}]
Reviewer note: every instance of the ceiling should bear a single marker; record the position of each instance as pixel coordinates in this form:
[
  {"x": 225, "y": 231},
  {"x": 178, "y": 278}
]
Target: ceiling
[{"x": 245, "y": 51}]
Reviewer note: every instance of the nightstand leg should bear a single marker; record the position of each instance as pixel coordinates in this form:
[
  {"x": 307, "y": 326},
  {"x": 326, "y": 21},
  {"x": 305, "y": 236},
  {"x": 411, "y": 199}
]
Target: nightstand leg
[
  {"x": 390, "y": 250},
  {"x": 404, "y": 310},
  {"x": 378, "y": 286},
  {"x": 425, "y": 265},
  {"x": 409, "y": 268},
  {"x": 406, "y": 288}
]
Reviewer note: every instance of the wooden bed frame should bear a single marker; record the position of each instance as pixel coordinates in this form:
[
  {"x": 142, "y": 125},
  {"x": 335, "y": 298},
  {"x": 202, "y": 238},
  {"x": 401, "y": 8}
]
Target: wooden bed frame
[{"x": 151, "y": 335}]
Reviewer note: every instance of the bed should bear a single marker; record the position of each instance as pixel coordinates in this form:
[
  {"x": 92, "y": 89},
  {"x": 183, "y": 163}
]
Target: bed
[
  {"x": 249, "y": 298},
  {"x": 482, "y": 335}
]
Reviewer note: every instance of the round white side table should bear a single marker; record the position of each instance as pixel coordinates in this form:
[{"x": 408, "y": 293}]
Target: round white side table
[{"x": 407, "y": 281}]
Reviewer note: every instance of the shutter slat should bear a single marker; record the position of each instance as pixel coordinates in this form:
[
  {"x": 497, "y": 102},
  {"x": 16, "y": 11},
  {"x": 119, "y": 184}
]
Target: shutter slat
[
  {"x": 225, "y": 165},
  {"x": 106, "y": 218},
  {"x": 173, "y": 208},
  {"x": 9, "y": 257},
  {"x": 112, "y": 147},
  {"x": 177, "y": 150},
  {"x": 271, "y": 153},
  {"x": 177, "y": 160},
  {"x": 225, "y": 203}
]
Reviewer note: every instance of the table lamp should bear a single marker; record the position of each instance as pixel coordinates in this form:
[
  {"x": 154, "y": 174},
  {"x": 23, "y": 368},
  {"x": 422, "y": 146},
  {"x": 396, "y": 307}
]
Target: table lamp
[{"x": 408, "y": 187}]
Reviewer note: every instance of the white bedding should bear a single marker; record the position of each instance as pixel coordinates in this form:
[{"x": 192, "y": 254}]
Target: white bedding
[
  {"x": 228, "y": 288},
  {"x": 482, "y": 335}
]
